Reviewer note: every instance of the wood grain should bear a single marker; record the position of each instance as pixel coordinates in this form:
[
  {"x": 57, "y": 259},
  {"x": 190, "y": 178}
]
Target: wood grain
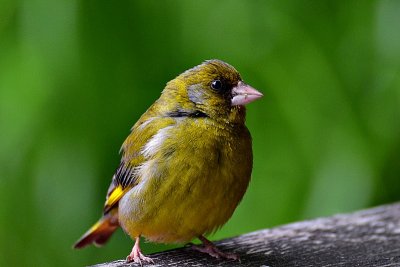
[{"x": 364, "y": 238}]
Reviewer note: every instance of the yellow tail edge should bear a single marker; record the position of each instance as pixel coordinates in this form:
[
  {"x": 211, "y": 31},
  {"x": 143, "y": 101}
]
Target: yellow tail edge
[{"x": 99, "y": 233}]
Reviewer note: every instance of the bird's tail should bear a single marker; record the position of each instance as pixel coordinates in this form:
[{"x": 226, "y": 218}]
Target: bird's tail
[{"x": 100, "y": 232}]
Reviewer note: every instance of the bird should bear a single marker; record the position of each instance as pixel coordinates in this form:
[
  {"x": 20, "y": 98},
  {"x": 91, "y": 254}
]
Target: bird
[{"x": 185, "y": 165}]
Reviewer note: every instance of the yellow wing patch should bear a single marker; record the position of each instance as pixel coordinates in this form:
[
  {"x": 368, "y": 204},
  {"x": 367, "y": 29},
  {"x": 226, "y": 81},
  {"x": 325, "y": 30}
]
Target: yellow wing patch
[{"x": 114, "y": 197}]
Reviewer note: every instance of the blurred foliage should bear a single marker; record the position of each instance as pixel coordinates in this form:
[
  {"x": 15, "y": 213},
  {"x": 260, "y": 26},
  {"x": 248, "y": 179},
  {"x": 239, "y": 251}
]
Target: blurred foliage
[{"x": 76, "y": 75}]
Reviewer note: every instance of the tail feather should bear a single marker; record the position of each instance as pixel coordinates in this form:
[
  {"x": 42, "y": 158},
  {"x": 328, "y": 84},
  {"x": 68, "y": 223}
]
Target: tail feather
[{"x": 99, "y": 233}]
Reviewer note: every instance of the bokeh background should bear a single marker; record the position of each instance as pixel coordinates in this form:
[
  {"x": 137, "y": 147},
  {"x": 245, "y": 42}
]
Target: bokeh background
[{"x": 76, "y": 75}]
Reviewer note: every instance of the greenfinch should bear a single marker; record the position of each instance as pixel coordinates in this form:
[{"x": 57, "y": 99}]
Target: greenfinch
[{"x": 185, "y": 165}]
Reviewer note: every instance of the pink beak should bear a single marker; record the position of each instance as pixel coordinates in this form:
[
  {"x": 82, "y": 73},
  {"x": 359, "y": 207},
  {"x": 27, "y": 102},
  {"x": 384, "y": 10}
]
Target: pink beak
[{"x": 244, "y": 94}]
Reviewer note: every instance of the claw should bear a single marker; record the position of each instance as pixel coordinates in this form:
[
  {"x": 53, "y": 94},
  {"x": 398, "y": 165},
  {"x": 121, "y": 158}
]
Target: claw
[
  {"x": 209, "y": 248},
  {"x": 136, "y": 254}
]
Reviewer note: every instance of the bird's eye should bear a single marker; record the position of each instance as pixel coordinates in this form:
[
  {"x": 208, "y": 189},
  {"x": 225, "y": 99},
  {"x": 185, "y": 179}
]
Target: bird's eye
[{"x": 216, "y": 85}]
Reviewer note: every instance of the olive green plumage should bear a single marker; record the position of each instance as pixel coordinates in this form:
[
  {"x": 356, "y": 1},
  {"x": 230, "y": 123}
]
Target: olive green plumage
[
  {"x": 187, "y": 161},
  {"x": 198, "y": 173}
]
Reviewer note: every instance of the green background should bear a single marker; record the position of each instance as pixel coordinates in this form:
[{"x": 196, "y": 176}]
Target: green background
[{"x": 76, "y": 75}]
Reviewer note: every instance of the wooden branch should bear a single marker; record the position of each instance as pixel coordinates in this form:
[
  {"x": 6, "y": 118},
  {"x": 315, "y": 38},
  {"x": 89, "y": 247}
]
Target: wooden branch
[{"x": 365, "y": 238}]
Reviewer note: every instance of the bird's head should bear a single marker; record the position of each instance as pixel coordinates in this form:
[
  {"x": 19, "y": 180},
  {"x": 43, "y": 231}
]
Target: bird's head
[{"x": 214, "y": 89}]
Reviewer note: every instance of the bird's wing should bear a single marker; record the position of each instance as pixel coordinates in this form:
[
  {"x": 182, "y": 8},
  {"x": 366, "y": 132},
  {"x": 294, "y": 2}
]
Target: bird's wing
[{"x": 125, "y": 178}]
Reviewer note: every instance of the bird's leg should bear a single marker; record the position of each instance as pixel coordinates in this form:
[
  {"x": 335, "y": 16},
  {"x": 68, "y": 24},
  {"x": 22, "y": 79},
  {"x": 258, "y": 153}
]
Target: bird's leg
[
  {"x": 136, "y": 254},
  {"x": 209, "y": 248}
]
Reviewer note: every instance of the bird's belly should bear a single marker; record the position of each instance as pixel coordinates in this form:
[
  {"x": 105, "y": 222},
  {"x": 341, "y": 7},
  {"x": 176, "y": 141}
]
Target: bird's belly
[{"x": 183, "y": 201}]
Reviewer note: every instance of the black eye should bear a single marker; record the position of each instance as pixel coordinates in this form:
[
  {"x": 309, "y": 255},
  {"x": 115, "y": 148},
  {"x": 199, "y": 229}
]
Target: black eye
[{"x": 216, "y": 85}]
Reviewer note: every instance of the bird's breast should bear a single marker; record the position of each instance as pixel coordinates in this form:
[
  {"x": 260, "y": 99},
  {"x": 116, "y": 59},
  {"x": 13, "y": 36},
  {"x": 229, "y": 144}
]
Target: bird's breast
[{"x": 194, "y": 176}]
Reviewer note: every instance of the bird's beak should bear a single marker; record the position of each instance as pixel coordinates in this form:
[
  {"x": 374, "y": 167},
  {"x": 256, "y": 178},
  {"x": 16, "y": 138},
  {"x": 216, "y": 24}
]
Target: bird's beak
[{"x": 243, "y": 94}]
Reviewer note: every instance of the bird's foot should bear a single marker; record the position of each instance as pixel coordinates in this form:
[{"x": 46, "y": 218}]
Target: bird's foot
[
  {"x": 215, "y": 252},
  {"x": 137, "y": 256},
  {"x": 209, "y": 248}
]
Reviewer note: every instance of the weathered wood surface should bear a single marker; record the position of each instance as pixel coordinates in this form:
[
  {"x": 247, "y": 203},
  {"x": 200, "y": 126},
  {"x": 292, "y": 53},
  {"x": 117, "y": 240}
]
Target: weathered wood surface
[{"x": 365, "y": 238}]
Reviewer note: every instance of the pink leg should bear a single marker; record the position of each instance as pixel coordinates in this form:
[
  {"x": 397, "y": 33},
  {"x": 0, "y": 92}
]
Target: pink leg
[
  {"x": 209, "y": 248},
  {"x": 136, "y": 254}
]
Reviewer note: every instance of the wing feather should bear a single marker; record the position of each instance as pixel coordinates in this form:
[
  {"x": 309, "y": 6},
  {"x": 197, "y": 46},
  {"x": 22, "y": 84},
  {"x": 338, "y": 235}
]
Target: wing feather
[{"x": 125, "y": 177}]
